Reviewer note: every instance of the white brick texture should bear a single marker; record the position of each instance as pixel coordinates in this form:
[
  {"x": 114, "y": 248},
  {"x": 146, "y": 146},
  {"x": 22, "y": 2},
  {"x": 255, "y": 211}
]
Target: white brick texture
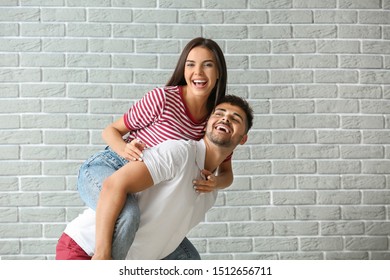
[{"x": 313, "y": 182}]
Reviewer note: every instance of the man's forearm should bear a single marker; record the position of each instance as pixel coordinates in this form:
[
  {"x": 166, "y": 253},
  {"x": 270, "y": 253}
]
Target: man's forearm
[{"x": 131, "y": 178}]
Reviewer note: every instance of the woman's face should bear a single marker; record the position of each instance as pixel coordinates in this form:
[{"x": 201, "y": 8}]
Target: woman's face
[{"x": 200, "y": 71}]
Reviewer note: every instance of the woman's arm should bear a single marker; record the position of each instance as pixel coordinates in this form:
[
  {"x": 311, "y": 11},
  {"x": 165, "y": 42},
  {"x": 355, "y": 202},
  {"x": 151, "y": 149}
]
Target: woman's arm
[
  {"x": 113, "y": 136},
  {"x": 222, "y": 180},
  {"x": 131, "y": 178}
]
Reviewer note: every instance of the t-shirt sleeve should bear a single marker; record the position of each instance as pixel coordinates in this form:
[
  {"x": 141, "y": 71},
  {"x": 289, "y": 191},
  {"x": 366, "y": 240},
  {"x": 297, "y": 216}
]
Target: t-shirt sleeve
[
  {"x": 165, "y": 160},
  {"x": 146, "y": 110}
]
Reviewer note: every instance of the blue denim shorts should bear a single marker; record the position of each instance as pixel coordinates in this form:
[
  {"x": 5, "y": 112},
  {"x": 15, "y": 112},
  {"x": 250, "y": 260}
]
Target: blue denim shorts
[{"x": 94, "y": 171}]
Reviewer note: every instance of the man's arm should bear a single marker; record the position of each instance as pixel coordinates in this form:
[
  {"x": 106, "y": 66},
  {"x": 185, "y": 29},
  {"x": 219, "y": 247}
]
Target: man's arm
[{"x": 131, "y": 178}]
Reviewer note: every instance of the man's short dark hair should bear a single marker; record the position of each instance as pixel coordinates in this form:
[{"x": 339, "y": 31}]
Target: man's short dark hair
[{"x": 243, "y": 104}]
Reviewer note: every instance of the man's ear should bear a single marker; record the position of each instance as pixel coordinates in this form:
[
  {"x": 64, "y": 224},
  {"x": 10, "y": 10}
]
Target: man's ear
[{"x": 244, "y": 139}]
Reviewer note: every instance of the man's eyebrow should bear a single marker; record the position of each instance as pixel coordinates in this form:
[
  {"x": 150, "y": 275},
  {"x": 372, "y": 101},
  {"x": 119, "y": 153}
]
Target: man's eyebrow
[{"x": 234, "y": 113}]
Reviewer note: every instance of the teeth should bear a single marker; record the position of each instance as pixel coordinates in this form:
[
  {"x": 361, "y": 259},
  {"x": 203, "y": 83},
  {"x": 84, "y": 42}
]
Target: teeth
[
  {"x": 199, "y": 82},
  {"x": 224, "y": 128}
]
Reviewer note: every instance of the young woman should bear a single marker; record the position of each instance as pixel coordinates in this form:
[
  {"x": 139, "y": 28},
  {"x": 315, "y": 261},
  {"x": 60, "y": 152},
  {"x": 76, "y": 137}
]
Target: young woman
[{"x": 177, "y": 111}]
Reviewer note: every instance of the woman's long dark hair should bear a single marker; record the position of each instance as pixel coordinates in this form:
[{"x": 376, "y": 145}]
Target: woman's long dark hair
[{"x": 178, "y": 79}]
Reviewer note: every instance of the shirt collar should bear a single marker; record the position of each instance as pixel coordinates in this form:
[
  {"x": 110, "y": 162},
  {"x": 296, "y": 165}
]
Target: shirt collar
[{"x": 200, "y": 154}]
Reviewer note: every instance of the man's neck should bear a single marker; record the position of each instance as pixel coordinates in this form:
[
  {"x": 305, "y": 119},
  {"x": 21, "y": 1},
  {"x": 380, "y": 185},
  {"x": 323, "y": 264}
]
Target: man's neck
[{"x": 215, "y": 155}]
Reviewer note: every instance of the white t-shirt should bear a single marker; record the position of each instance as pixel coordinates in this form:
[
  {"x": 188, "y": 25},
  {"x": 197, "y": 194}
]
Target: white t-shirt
[{"x": 169, "y": 209}]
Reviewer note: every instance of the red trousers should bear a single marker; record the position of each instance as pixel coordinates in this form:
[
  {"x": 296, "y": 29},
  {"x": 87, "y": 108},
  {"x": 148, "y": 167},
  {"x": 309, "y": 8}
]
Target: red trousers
[{"x": 68, "y": 249}]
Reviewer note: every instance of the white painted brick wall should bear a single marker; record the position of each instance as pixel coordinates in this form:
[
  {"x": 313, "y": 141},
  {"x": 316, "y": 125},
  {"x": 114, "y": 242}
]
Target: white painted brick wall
[{"x": 314, "y": 180}]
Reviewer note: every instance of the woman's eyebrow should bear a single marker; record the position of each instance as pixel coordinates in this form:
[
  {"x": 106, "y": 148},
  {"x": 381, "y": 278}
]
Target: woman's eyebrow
[{"x": 207, "y": 60}]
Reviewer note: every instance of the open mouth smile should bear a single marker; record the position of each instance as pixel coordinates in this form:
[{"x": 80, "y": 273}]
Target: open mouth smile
[
  {"x": 199, "y": 83},
  {"x": 223, "y": 128}
]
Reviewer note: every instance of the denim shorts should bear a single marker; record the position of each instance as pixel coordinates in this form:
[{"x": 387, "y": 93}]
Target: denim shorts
[{"x": 94, "y": 171}]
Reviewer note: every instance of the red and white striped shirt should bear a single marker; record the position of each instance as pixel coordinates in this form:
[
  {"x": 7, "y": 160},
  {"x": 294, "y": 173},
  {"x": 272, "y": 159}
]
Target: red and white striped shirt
[{"x": 161, "y": 115}]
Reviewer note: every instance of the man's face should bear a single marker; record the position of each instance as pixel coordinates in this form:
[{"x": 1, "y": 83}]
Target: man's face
[{"x": 227, "y": 126}]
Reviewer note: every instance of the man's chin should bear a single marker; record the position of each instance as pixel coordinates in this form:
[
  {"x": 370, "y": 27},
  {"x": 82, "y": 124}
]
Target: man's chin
[{"x": 221, "y": 142}]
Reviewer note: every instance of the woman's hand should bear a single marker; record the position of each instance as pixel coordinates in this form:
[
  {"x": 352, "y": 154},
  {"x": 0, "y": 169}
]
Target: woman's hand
[
  {"x": 208, "y": 185},
  {"x": 133, "y": 150}
]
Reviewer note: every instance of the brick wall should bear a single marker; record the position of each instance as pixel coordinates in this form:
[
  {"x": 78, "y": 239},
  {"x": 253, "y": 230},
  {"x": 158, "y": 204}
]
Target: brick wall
[{"x": 313, "y": 181}]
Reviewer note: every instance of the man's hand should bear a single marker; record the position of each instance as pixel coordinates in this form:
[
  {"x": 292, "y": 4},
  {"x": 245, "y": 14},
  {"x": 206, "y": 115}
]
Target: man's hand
[{"x": 208, "y": 185}]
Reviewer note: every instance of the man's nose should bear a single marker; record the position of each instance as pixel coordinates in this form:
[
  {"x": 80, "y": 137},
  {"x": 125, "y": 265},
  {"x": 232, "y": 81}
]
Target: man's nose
[{"x": 225, "y": 118}]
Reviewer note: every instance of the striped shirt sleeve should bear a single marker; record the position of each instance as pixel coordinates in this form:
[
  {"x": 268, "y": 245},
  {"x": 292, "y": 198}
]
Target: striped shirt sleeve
[{"x": 145, "y": 111}]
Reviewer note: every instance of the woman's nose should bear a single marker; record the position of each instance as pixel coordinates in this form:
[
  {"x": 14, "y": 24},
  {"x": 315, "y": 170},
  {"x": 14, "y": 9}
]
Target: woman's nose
[{"x": 198, "y": 70}]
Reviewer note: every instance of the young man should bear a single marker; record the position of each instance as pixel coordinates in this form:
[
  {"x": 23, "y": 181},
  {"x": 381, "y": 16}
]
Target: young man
[{"x": 162, "y": 182}]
